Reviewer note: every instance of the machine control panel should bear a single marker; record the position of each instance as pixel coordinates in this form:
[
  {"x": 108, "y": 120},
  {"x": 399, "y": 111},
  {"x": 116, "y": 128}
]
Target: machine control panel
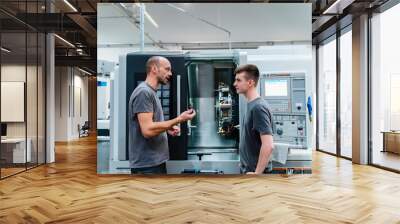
[
  {"x": 285, "y": 94},
  {"x": 279, "y": 105},
  {"x": 163, "y": 92},
  {"x": 290, "y": 128}
]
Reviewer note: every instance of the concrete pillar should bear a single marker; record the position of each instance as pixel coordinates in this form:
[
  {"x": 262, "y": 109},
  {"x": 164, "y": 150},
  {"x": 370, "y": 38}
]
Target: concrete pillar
[
  {"x": 360, "y": 90},
  {"x": 50, "y": 92},
  {"x": 50, "y": 99}
]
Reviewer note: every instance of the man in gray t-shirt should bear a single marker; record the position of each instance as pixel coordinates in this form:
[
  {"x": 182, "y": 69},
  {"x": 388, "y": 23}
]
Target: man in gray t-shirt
[
  {"x": 146, "y": 152},
  {"x": 256, "y": 142},
  {"x": 256, "y": 122},
  {"x": 148, "y": 142}
]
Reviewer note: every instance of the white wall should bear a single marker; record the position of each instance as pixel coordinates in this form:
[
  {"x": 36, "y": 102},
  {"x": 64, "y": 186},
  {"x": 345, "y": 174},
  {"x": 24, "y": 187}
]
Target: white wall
[
  {"x": 16, "y": 72},
  {"x": 33, "y": 125},
  {"x": 61, "y": 103},
  {"x": 12, "y": 73},
  {"x": 81, "y": 84},
  {"x": 70, "y": 83}
]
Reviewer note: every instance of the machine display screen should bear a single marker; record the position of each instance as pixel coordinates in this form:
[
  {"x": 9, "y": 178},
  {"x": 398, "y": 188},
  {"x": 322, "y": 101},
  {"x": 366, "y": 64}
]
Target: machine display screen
[{"x": 276, "y": 87}]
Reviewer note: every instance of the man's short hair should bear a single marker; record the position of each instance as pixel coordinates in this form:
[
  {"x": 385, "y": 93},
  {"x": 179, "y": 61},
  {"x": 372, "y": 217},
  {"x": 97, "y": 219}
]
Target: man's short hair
[
  {"x": 251, "y": 72},
  {"x": 154, "y": 60}
]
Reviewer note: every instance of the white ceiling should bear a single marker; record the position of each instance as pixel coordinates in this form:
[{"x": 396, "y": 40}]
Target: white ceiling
[{"x": 247, "y": 22}]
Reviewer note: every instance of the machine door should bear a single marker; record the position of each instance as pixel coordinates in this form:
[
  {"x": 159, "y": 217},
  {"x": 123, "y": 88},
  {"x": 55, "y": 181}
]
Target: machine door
[{"x": 212, "y": 134}]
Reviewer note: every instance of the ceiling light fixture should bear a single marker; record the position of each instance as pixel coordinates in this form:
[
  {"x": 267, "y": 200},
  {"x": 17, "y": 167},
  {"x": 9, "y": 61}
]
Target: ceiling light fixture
[
  {"x": 84, "y": 71},
  {"x": 5, "y": 50},
  {"x": 64, "y": 40},
  {"x": 205, "y": 21},
  {"x": 70, "y": 5},
  {"x": 148, "y": 16},
  {"x": 337, "y": 7},
  {"x": 176, "y": 7}
]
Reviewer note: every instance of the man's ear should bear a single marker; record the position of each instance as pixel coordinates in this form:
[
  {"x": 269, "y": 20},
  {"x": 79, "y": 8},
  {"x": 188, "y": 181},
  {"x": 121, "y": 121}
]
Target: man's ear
[
  {"x": 154, "y": 69},
  {"x": 251, "y": 81}
]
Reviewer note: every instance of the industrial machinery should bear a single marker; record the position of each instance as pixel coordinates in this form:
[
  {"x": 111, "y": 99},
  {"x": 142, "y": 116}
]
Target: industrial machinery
[
  {"x": 204, "y": 82},
  {"x": 105, "y": 71},
  {"x": 286, "y": 96},
  {"x": 210, "y": 92}
]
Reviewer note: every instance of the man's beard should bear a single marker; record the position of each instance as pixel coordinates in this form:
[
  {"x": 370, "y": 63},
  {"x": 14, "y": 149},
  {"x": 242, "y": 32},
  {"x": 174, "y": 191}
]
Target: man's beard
[{"x": 162, "y": 81}]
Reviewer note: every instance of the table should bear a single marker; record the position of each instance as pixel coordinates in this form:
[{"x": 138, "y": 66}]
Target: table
[
  {"x": 13, "y": 150},
  {"x": 391, "y": 141}
]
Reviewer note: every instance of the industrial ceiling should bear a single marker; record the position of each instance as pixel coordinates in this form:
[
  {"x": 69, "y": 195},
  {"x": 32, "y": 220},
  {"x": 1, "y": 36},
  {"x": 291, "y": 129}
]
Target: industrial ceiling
[{"x": 75, "y": 21}]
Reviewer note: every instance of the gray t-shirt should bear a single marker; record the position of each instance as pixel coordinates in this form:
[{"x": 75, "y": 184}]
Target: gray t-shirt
[
  {"x": 257, "y": 120},
  {"x": 145, "y": 152}
]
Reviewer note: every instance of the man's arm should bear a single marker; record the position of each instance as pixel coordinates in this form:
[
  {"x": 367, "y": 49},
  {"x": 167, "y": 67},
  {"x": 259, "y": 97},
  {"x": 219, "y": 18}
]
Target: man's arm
[
  {"x": 150, "y": 128},
  {"x": 267, "y": 145},
  {"x": 262, "y": 123}
]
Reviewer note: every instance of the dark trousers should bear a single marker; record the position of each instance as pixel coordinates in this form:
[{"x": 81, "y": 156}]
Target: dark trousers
[
  {"x": 159, "y": 169},
  {"x": 244, "y": 169}
]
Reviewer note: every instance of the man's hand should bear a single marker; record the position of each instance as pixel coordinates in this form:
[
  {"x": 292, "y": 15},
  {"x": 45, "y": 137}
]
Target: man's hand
[
  {"x": 187, "y": 115},
  {"x": 174, "y": 131},
  {"x": 267, "y": 145}
]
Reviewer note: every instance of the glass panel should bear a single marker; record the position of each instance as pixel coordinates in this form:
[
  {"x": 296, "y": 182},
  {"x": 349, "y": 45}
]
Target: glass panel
[
  {"x": 212, "y": 130},
  {"x": 327, "y": 97},
  {"x": 346, "y": 93},
  {"x": 13, "y": 87},
  {"x": 22, "y": 67},
  {"x": 31, "y": 97},
  {"x": 31, "y": 86},
  {"x": 41, "y": 98},
  {"x": 386, "y": 89}
]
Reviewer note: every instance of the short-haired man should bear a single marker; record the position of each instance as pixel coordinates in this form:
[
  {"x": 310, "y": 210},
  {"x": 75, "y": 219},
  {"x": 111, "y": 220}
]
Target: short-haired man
[
  {"x": 148, "y": 142},
  {"x": 256, "y": 142}
]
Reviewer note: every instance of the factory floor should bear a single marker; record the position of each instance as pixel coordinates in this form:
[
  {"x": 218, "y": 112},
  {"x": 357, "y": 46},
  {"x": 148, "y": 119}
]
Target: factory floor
[{"x": 70, "y": 191}]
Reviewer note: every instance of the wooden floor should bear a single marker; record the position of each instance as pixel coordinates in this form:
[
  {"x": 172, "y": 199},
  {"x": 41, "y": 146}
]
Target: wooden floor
[
  {"x": 5, "y": 172},
  {"x": 70, "y": 191},
  {"x": 387, "y": 159}
]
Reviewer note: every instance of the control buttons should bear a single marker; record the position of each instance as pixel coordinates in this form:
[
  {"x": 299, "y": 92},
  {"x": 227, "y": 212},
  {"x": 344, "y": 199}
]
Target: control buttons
[{"x": 299, "y": 106}]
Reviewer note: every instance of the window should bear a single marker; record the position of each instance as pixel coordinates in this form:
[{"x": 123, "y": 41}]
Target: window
[
  {"x": 385, "y": 87},
  {"x": 327, "y": 96},
  {"x": 346, "y": 93}
]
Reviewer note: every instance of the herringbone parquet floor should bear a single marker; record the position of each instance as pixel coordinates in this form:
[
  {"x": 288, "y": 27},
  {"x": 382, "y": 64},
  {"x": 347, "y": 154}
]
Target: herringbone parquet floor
[{"x": 69, "y": 191}]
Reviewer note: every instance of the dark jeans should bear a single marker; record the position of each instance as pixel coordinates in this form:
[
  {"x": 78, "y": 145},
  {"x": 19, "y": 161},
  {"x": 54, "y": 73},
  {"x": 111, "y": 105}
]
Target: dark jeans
[
  {"x": 244, "y": 170},
  {"x": 160, "y": 169}
]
